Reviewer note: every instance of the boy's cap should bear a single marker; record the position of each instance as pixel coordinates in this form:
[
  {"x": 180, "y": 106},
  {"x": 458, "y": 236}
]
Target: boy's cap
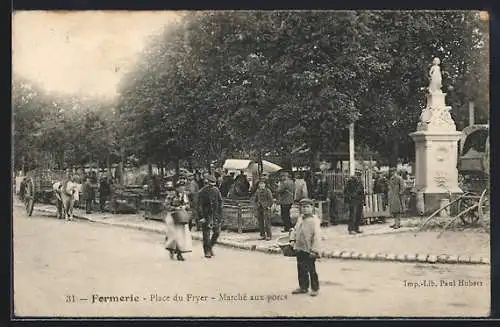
[{"x": 306, "y": 202}]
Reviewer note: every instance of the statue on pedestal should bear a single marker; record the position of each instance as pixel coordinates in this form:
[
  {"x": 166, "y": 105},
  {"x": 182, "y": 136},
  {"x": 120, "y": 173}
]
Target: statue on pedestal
[
  {"x": 436, "y": 115},
  {"x": 435, "y": 77}
]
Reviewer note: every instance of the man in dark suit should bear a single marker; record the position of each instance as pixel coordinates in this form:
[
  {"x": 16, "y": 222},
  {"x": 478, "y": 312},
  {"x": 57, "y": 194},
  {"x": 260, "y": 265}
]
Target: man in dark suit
[
  {"x": 286, "y": 190},
  {"x": 354, "y": 197},
  {"x": 210, "y": 214}
]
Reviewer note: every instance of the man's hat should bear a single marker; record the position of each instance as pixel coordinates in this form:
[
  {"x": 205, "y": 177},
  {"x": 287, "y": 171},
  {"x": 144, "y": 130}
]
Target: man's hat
[
  {"x": 211, "y": 178},
  {"x": 306, "y": 201}
]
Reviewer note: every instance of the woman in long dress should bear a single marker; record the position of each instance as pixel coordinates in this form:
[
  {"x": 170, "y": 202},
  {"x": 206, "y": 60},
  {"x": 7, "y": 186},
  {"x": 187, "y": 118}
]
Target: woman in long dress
[
  {"x": 395, "y": 193},
  {"x": 177, "y": 236}
]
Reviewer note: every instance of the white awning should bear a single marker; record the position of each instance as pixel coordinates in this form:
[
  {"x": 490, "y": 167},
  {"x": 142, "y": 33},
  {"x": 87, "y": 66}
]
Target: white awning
[
  {"x": 237, "y": 164},
  {"x": 269, "y": 167},
  {"x": 241, "y": 164}
]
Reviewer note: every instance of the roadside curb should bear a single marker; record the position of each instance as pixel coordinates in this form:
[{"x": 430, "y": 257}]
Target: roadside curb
[{"x": 329, "y": 254}]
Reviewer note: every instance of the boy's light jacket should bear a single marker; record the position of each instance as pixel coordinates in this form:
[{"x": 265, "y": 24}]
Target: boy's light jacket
[{"x": 307, "y": 234}]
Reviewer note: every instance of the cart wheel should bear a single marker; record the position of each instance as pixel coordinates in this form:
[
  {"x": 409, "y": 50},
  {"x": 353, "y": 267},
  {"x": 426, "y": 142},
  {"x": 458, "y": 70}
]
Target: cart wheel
[
  {"x": 484, "y": 205},
  {"x": 29, "y": 197},
  {"x": 471, "y": 217}
]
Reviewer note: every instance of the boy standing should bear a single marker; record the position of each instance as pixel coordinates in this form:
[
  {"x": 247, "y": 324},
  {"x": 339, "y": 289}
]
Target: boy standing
[
  {"x": 264, "y": 201},
  {"x": 305, "y": 238}
]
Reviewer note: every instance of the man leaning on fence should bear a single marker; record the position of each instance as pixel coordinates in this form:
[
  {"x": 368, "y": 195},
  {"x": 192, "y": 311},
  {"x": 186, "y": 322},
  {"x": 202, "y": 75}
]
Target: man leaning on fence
[{"x": 354, "y": 197}]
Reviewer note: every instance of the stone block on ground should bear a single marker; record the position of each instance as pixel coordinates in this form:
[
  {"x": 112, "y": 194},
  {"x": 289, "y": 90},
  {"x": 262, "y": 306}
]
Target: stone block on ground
[
  {"x": 422, "y": 257},
  {"x": 391, "y": 257},
  {"x": 400, "y": 257},
  {"x": 432, "y": 259},
  {"x": 410, "y": 257},
  {"x": 345, "y": 255},
  {"x": 464, "y": 259},
  {"x": 442, "y": 258},
  {"x": 336, "y": 254}
]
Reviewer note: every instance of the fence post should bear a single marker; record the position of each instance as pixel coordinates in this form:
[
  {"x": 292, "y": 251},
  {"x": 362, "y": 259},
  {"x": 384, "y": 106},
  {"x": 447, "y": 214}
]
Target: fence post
[{"x": 351, "y": 150}]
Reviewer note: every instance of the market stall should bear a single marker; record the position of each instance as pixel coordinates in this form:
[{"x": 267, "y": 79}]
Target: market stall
[{"x": 240, "y": 214}]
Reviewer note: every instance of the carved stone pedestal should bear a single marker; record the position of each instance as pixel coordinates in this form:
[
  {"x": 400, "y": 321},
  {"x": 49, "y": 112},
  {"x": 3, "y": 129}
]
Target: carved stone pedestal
[{"x": 436, "y": 173}]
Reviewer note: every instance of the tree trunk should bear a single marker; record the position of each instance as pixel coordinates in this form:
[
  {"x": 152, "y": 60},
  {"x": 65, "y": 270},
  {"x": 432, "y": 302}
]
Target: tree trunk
[
  {"x": 313, "y": 163},
  {"x": 121, "y": 166},
  {"x": 108, "y": 166},
  {"x": 150, "y": 167},
  {"x": 395, "y": 154},
  {"x": 177, "y": 166}
]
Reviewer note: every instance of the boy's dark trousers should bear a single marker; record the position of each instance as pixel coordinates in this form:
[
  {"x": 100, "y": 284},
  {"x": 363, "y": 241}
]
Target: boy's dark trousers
[
  {"x": 209, "y": 241},
  {"x": 60, "y": 209},
  {"x": 102, "y": 201},
  {"x": 285, "y": 216},
  {"x": 333, "y": 210},
  {"x": 355, "y": 211},
  {"x": 306, "y": 268},
  {"x": 264, "y": 222},
  {"x": 88, "y": 205}
]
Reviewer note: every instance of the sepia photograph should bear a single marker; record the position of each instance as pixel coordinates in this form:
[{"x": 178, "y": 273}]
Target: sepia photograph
[{"x": 250, "y": 163}]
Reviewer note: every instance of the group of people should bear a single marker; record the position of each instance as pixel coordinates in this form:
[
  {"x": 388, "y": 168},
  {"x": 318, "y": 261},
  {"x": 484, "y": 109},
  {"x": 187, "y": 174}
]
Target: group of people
[
  {"x": 67, "y": 192},
  {"x": 206, "y": 207},
  {"x": 89, "y": 188}
]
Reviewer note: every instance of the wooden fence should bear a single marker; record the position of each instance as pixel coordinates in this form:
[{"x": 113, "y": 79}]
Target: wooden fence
[{"x": 374, "y": 208}]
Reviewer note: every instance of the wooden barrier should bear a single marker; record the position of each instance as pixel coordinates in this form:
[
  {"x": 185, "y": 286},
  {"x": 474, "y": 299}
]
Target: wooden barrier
[
  {"x": 239, "y": 215},
  {"x": 374, "y": 209},
  {"x": 154, "y": 209}
]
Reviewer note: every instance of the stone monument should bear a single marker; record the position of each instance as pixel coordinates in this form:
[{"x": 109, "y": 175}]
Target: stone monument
[{"x": 436, "y": 147}]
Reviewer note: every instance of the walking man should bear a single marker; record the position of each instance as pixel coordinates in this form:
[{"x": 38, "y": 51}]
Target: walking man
[
  {"x": 87, "y": 192},
  {"x": 354, "y": 196},
  {"x": 395, "y": 195},
  {"x": 286, "y": 194},
  {"x": 210, "y": 214},
  {"x": 193, "y": 189},
  {"x": 264, "y": 201},
  {"x": 104, "y": 193},
  {"x": 57, "y": 187}
]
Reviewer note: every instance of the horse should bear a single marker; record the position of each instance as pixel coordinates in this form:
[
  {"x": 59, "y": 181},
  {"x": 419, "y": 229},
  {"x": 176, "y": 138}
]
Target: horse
[{"x": 66, "y": 194}]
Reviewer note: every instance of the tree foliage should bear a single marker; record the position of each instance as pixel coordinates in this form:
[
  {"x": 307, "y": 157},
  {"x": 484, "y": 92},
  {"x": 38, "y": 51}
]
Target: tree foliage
[
  {"x": 227, "y": 81},
  {"x": 60, "y": 130}
]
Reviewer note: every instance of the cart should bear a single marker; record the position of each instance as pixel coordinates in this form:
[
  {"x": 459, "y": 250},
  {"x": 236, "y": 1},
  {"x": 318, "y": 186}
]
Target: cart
[
  {"x": 37, "y": 187},
  {"x": 474, "y": 171}
]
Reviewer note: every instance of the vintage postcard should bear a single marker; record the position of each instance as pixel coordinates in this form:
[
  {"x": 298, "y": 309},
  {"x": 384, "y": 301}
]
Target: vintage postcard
[{"x": 251, "y": 164}]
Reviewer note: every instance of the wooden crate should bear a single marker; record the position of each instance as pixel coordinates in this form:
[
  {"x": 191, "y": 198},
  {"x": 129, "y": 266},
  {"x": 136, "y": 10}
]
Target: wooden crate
[
  {"x": 239, "y": 215},
  {"x": 154, "y": 209}
]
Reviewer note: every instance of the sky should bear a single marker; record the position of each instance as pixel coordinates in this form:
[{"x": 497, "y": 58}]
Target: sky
[{"x": 81, "y": 52}]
